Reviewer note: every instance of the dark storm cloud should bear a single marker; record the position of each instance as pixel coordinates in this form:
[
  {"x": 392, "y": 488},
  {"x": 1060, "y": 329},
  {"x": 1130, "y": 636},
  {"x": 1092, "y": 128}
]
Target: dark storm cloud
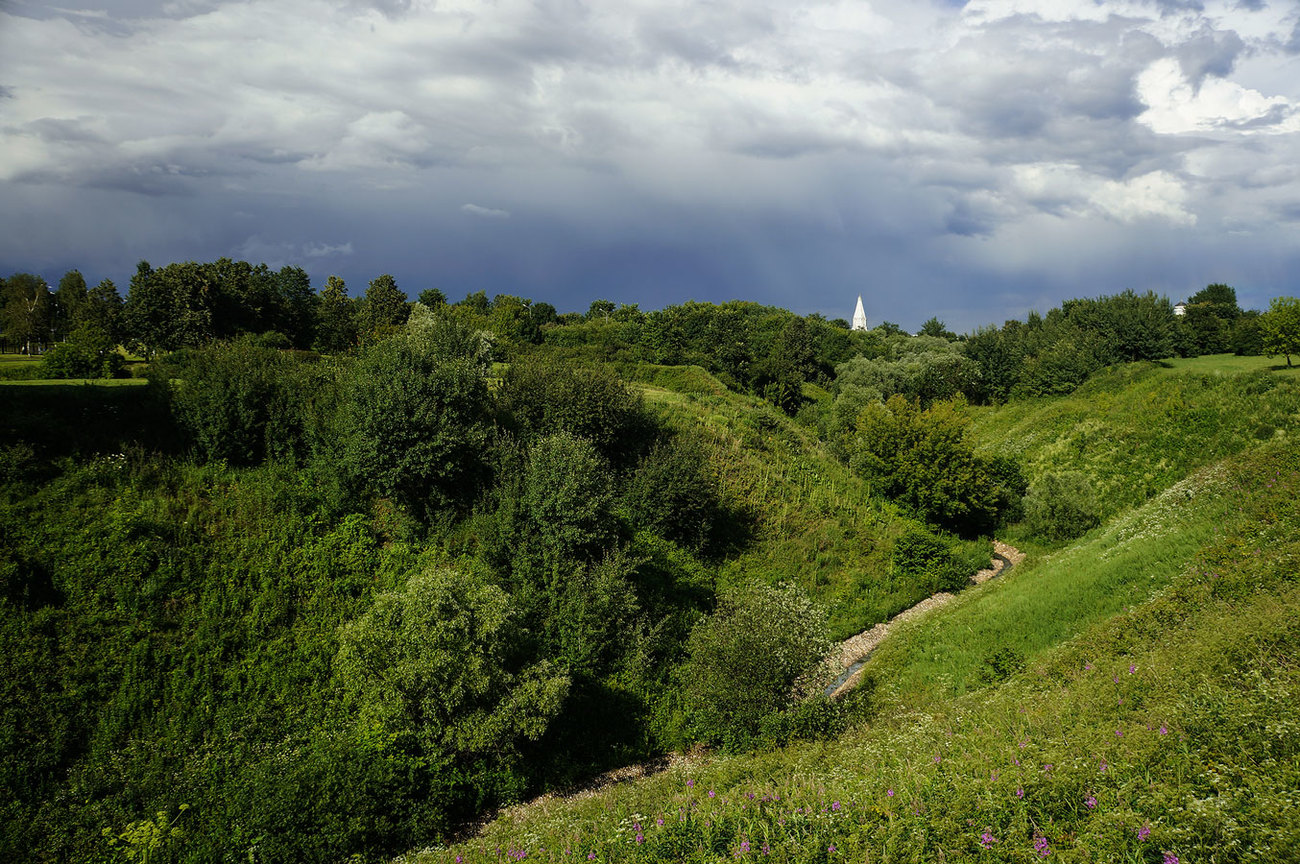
[{"x": 972, "y": 159}]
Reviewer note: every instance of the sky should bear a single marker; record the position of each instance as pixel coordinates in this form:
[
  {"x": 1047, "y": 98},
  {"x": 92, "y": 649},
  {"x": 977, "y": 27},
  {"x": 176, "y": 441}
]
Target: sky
[{"x": 970, "y": 161}]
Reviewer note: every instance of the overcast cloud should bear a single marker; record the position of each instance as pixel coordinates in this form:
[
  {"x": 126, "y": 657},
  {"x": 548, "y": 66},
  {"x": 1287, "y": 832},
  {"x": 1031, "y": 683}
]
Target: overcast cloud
[{"x": 972, "y": 161}]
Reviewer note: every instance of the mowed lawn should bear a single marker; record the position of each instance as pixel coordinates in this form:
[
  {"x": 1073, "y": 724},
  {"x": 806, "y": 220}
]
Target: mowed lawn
[{"x": 1232, "y": 364}]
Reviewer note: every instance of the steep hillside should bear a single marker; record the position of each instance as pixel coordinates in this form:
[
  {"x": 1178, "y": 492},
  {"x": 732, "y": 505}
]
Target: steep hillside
[
  {"x": 1135, "y": 430},
  {"x": 814, "y": 523}
]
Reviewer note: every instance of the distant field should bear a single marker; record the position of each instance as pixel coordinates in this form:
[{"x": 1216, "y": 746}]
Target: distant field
[{"x": 1232, "y": 363}]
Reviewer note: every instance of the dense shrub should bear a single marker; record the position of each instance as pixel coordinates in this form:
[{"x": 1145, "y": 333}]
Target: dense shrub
[
  {"x": 925, "y": 460},
  {"x": 88, "y": 353},
  {"x": 750, "y": 659},
  {"x": 241, "y": 402},
  {"x": 918, "y": 553},
  {"x": 567, "y": 496},
  {"x": 673, "y": 492},
  {"x": 542, "y": 395},
  {"x": 1062, "y": 505},
  {"x": 414, "y": 422}
]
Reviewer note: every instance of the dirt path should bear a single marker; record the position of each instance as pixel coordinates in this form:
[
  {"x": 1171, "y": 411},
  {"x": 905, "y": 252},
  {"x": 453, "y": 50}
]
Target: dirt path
[{"x": 854, "y": 651}]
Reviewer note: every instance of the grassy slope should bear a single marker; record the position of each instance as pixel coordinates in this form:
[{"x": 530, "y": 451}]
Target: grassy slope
[
  {"x": 1138, "y": 429},
  {"x": 816, "y": 525},
  {"x": 1162, "y": 685}
]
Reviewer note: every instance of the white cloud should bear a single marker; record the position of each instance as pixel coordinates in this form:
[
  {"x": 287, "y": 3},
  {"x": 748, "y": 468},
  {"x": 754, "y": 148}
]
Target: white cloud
[
  {"x": 484, "y": 212},
  {"x": 1175, "y": 105}
]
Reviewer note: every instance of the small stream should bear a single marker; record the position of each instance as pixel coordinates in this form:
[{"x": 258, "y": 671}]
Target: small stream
[{"x": 862, "y": 661}]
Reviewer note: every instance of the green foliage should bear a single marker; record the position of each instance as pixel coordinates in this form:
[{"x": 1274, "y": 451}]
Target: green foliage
[
  {"x": 383, "y": 310},
  {"x": 26, "y": 311},
  {"x": 1001, "y": 664},
  {"x": 242, "y": 403},
  {"x": 747, "y": 660},
  {"x": 923, "y": 556},
  {"x": 414, "y": 423},
  {"x": 428, "y": 663},
  {"x": 925, "y": 460},
  {"x": 566, "y": 496},
  {"x": 673, "y": 493},
  {"x": 88, "y": 353},
  {"x": 543, "y": 395},
  {"x": 1281, "y": 327},
  {"x": 336, "y": 325},
  {"x": 1061, "y": 506}
]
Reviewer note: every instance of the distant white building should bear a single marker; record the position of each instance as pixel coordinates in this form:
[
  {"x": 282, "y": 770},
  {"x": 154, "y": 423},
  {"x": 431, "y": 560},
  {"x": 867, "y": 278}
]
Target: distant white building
[
  {"x": 859, "y": 316},
  {"x": 1180, "y": 308}
]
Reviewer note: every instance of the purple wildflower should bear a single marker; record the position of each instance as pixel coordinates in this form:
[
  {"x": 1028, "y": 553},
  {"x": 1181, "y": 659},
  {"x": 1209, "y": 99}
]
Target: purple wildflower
[
  {"x": 659, "y": 822},
  {"x": 890, "y": 793},
  {"x": 744, "y": 846},
  {"x": 986, "y": 840},
  {"x": 1041, "y": 847},
  {"x": 711, "y": 795},
  {"x": 1132, "y": 668},
  {"x": 1090, "y": 802},
  {"x": 690, "y": 784},
  {"x": 835, "y": 805},
  {"x": 1144, "y": 832},
  {"x": 640, "y": 838},
  {"x": 1163, "y": 729},
  {"x": 1170, "y": 858},
  {"x": 830, "y": 848},
  {"x": 1020, "y": 793},
  {"x": 937, "y": 759}
]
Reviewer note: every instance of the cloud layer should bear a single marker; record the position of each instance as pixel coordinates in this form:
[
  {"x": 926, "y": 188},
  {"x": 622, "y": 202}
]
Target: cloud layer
[{"x": 971, "y": 161}]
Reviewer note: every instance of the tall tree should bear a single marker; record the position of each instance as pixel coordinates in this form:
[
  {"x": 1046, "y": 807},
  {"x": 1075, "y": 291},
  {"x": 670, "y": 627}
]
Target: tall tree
[
  {"x": 68, "y": 300},
  {"x": 102, "y": 311},
  {"x": 1281, "y": 326},
  {"x": 26, "y": 310},
  {"x": 336, "y": 317},
  {"x": 296, "y": 315},
  {"x": 383, "y": 310}
]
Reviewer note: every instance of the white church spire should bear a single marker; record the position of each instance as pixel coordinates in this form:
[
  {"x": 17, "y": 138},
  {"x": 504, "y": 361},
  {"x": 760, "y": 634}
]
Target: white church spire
[{"x": 859, "y": 316}]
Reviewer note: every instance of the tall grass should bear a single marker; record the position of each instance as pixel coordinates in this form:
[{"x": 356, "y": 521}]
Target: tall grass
[
  {"x": 1135, "y": 430},
  {"x": 815, "y": 524}
]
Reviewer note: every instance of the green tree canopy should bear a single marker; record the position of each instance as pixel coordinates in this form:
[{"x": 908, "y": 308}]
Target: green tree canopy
[
  {"x": 428, "y": 664},
  {"x": 747, "y": 659},
  {"x": 1281, "y": 327},
  {"x": 383, "y": 310},
  {"x": 415, "y": 422},
  {"x": 336, "y": 317}
]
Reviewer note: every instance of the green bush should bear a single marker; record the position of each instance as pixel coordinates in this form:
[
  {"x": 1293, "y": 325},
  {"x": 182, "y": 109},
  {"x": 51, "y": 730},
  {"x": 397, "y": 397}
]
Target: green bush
[
  {"x": 673, "y": 492},
  {"x": 414, "y": 423},
  {"x": 567, "y": 496},
  {"x": 1062, "y": 506},
  {"x": 88, "y": 353},
  {"x": 920, "y": 553},
  {"x": 240, "y": 402},
  {"x": 750, "y": 659},
  {"x": 542, "y": 396},
  {"x": 924, "y": 459}
]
